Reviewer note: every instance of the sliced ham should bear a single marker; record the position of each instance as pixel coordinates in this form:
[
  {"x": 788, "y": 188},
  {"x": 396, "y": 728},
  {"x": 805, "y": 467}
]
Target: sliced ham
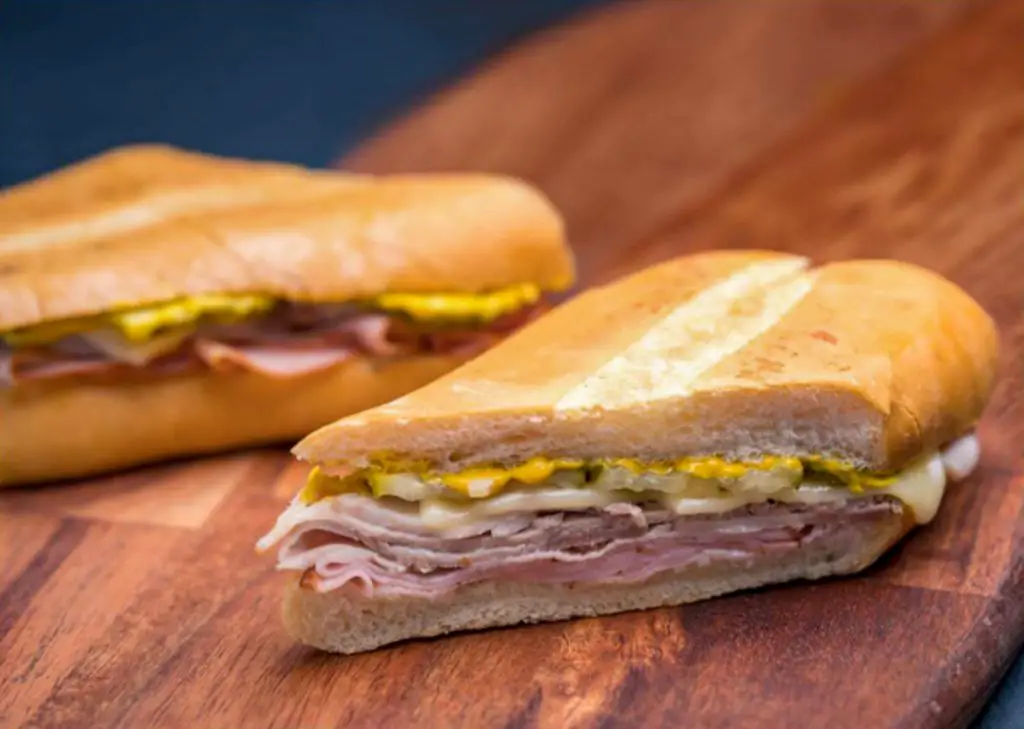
[
  {"x": 370, "y": 332},
  {"x": 35, "y": 365},
  {"x": 19, "y": 368},
  {"x": 268, "y": 360},
  {"x": 379, "y": 547},
  {"x": 290, "y": 341}
]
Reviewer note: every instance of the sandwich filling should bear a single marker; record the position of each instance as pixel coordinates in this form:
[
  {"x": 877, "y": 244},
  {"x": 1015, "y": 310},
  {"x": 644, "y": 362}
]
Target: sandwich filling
[
  {"x": 263, "y": 335},
  {"x": 384, "y": 533}
]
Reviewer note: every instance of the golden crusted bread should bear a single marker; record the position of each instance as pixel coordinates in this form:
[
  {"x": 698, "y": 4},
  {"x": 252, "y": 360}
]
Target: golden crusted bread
[
  {"x": 345, "y": 623},
  {"x": 141, "y": 225},
  {"x": 50, "y": 431},
  {"x": 730, "y": 353}
]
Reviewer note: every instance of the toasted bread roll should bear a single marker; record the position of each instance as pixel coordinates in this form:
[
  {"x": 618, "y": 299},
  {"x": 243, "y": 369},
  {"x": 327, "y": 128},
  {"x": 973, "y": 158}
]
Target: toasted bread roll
[
  {"x": 157, "y": 303},
  {"x": 76, "y": 429},
  {"x": 142, "y": 225},
  {"x": 733, "y": 354},
  {"x": 718, "y": 422}
]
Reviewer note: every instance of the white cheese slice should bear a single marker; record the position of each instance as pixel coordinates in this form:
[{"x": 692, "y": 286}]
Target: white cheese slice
[
  {"x": 443, "y": 514},
  {"x": 407, "y": 486},
  {"x": 684, "y": 506},
  {"x": 808, "y": 492},
  {"x": 920, "y": 487},
  {"x": 115, "y": 345},
  {"x": 961, "y": 457}
]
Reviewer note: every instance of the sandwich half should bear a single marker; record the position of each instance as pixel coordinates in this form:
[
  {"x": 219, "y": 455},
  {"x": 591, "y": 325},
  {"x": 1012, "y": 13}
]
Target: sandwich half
[
  {"x": 717, "y": 422},
  {"x": 157, "y": 303}
]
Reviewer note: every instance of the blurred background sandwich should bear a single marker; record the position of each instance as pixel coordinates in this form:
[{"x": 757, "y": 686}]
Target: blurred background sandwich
[{"x": 158, "y": 303}]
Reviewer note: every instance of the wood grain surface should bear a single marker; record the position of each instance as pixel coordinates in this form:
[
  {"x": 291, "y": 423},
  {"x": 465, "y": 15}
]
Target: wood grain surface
[{"x": 832, "y": 127}]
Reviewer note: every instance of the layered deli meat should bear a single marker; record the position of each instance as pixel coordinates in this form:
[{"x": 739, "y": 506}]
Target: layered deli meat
[
  {"x": 380, "y": 532},
  {"x": 259, "y": 334}
]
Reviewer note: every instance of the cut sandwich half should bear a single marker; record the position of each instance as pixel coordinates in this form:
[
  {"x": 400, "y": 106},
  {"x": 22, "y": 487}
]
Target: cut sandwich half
[
  {"x": 158, "y": 303},
  {"x": 718, "y": 422}
]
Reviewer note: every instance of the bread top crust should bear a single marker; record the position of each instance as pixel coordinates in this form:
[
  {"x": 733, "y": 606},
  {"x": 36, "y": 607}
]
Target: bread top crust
[
  {"x": 147, "y": 224},
  {"x": 737, "y": 354}
]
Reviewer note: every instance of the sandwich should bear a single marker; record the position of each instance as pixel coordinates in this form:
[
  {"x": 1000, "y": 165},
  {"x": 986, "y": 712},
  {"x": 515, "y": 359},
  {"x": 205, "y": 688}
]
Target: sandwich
[
  {"x": 156, "y": 303},
  {"x": 715, "y": 423}
]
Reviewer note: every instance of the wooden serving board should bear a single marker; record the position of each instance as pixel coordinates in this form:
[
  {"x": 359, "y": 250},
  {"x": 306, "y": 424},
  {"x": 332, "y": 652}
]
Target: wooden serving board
[{"x": 835, "y": 128}]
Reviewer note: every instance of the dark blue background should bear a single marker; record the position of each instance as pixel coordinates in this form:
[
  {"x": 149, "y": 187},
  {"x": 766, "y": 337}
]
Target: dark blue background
[
  {"x": 301, "y": 80},
  {"x": 276, "y": 79}
]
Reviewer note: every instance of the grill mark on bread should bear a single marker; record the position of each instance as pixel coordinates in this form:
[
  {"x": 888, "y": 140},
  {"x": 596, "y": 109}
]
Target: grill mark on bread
[
  {"x": 669, "y": 358},
  {"x": 154, "y": 211},
  {"x": 153, "y": 186},
  {"x": 143, "y": 211},
  {"x": 587, "y": 331}
]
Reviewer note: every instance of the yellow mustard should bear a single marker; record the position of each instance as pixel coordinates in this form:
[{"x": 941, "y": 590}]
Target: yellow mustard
[
  {"x": 140, "y": 323},
  {"x": 319, "y": 486},
  {"x": 459, "y": 306},
  {"x": 533, "y": 471}
]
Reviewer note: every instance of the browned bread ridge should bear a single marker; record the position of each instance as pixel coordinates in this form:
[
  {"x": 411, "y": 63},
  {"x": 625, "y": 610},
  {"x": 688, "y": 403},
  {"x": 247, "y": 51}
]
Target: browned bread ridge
[
  {"x": 146, "y": 224},
  {"x": 731, "y": 353}
]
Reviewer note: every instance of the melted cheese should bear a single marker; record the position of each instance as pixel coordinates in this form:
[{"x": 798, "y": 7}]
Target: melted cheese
[
  {"x": 139, "y": 324},
  {"x": 559, "y": 485},
  {"x": 920, "y": 487},
  {"x": 114, "y": 344},
  {"x": 444, "y": 514},
  {"x": 962, "y": 457}
]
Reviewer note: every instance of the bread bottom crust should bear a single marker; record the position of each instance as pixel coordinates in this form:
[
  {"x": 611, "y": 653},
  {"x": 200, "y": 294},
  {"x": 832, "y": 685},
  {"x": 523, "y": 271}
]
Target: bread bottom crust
[
  {"x": 51, "y": 431},
  {"x": 343, "y": 621}
]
